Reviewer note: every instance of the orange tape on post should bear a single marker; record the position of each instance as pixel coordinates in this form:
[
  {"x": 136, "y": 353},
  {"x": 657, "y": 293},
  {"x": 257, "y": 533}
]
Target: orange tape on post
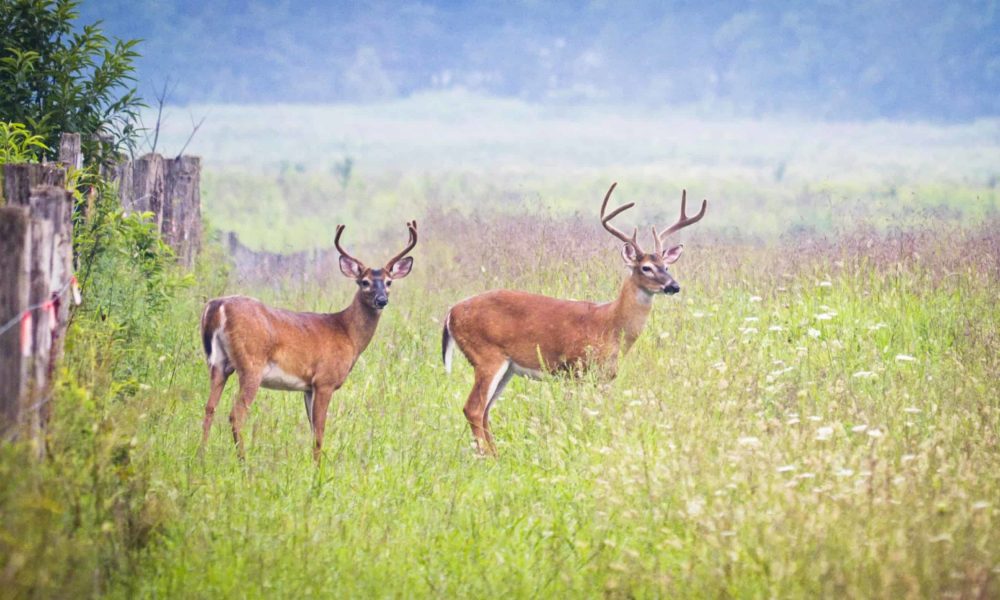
[
  {"x": 50, "y": 308},
  {"x": 77, "y": 298},
  {"x": 26, "y": 333}
]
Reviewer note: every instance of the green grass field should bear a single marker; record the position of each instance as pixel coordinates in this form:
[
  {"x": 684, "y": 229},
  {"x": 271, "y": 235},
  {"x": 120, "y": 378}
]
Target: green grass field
[{"x": 816, "y": 414}]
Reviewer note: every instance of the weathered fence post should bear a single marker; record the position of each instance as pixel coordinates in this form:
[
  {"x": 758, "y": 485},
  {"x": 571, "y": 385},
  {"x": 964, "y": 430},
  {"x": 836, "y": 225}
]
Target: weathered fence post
[
  {"x": 18, "y": 179},
  {"x": 54, "y": 206},
  {"x": 141, "y": 188},
  {"x": 182, "y": 207},
  {"x": 15, "y": 249},
  {"x": 70, "y": 152},
  {"x": 34, "y": 407}
]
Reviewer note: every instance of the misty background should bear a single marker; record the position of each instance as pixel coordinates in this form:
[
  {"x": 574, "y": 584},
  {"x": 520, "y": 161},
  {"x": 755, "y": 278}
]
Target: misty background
[
  {"x": 790, "y": 117},
  {"x": 855, "y": 60}
]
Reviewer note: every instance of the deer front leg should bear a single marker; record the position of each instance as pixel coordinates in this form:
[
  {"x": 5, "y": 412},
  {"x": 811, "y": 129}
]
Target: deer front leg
[{"x": 320, "y": 407}]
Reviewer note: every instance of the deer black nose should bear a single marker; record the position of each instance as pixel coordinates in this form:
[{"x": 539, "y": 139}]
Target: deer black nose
[
  {"x": 381, "y": 301},
  {"x": 671, "y": 288}
]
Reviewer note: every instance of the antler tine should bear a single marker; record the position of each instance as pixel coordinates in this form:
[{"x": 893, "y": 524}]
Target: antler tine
[
  {"x": 605, "y": 219},
  {"x": 684, "y": 220},
  {"x": 336, "y": 242},
  {"x": 412, "y": 227},
  {"x": 656, "y": 240}
]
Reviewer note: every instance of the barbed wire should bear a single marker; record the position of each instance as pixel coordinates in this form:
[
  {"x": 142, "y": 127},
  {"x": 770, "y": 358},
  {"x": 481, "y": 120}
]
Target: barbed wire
[{"x": 21, "y": 315}]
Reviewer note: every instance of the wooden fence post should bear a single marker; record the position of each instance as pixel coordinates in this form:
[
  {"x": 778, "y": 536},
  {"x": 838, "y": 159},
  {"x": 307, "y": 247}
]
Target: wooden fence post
[
  {"x": 53, "y": 206},
  {"x": 141, "y": 189},
  {"x": 182, "y": 207},
  {"x": 70, "y": 153},
  {"x": 35, "y": 402},
  {"x": 15, "y": 248},
  {"x": 18, "y": 179}
]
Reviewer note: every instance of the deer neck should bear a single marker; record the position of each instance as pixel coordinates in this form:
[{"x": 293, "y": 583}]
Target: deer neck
[
  {"x": 629, "y": 312},
  {"x": 359, "y": 321}
]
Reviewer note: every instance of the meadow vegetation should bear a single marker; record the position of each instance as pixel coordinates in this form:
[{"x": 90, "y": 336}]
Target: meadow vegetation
[{"x": 815, "y": 414}]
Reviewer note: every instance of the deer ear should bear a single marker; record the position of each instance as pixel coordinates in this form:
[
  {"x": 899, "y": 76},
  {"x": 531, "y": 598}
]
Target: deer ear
[
  {"x": 671, "y": 255},
  {"x": 401, "y": 268},
  {"x": 630, "y": 255},
  {"x": 350, "y": 267}
]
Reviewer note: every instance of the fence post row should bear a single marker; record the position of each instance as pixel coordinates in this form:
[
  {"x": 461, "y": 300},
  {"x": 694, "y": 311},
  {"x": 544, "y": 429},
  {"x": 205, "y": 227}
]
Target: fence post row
[{"x": 36, "y": 264}]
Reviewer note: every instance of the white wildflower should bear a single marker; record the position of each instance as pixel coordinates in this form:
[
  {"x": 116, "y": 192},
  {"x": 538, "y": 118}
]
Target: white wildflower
[
  {"x": 913, "y": 410},
  {"x": 775, "y": 328},
  {"x": 826, "y": 284},
  {"x": 875, "y": 433},
  {"x": 749, "y": 441},
  {"x": 748, "y": 330},
  {"x": 877, "y": 326},
  {"x": 904, "y": 358},
  {"x": 813, "y": 333},
  {"x": 755, "y": 298},
  {"x": 824, "y": 433},
  {"x": 786, "y": 468},
  {"x": 590, "y": 412},
  {"x": 907, "y": 458},
  {"x": 751, "y": 319},
  {"x": 815, "y": 418},
  {"x": 824, "y": 317},
  {"x": 695, "y": 507},
  {"x": 980, "y": 505},
  {"x": 859, "y": 428},
  {"x": 863, "y": 375}
]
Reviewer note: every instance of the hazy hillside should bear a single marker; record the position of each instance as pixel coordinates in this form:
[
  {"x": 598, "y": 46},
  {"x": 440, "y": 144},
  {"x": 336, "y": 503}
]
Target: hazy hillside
[{"x": 886, "y": 58}]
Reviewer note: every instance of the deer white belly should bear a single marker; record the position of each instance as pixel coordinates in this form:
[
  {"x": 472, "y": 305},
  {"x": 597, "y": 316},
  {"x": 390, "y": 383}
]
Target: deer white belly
[
  {"x": 526, "y": 372},
  {"x": 276, "y": 379}
]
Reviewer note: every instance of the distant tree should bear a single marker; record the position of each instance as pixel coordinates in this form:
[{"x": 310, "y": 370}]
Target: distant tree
[{"x": 57, "y": 78}]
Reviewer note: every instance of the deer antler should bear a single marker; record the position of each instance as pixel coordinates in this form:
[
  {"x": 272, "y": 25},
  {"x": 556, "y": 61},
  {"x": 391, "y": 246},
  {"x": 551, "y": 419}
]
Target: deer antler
[
  {"x": 336, "y": 242},
  {"x": 682, "y": 222},
  {"x": 605, "y": 219},
  {"x": 412, "y": 226}
]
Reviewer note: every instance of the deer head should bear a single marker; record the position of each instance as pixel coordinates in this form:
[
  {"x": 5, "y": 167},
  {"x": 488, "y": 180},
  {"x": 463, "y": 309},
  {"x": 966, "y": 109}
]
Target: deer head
[
  {"x": 374, "y": 284},
  {"x": 649, "y": 270}
]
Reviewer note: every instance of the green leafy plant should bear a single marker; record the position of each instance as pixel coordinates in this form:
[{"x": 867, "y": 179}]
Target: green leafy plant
[
  {"x": 57, "y": 77},
  {"x": 18, "y": 145}
]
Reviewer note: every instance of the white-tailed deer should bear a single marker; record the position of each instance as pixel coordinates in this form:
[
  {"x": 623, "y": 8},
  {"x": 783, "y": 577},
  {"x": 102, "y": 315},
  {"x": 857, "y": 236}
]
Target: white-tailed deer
[
  {"x": 285, "y": 350},
  {"x": 505, "y": 333}
]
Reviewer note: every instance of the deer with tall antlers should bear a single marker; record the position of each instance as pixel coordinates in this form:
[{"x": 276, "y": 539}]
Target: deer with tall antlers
[
  {"x": 505, "y": 333},
  {"x": 280, "y": 349}
]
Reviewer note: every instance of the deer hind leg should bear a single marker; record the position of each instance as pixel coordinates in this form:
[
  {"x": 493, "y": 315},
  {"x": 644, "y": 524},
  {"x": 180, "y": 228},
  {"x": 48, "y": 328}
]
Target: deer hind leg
[
  {"x": 219, "y": 376},
  {"x": 490, "y": 380},
  {"x": 249, "y": 384}
]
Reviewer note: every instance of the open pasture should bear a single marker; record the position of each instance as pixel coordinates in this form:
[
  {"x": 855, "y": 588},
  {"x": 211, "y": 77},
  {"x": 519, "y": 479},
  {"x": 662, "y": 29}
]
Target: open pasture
[{"x": 810, "y": 418}]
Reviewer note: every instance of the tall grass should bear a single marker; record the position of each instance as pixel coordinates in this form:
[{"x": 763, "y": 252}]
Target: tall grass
[{"x": 816, "y": 417}]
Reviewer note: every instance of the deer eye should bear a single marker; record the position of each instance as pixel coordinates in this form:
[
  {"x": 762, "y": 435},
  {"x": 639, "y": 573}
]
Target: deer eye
[
  {"x": 388, "y": 283},
  {"x": 646, "y": 269},
  {"x": 365, "y": 283}
]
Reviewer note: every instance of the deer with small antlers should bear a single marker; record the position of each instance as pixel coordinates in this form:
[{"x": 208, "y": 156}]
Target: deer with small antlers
[
  {"x": 505, "y": 333},
  {"x": 295, "y": 351}
]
